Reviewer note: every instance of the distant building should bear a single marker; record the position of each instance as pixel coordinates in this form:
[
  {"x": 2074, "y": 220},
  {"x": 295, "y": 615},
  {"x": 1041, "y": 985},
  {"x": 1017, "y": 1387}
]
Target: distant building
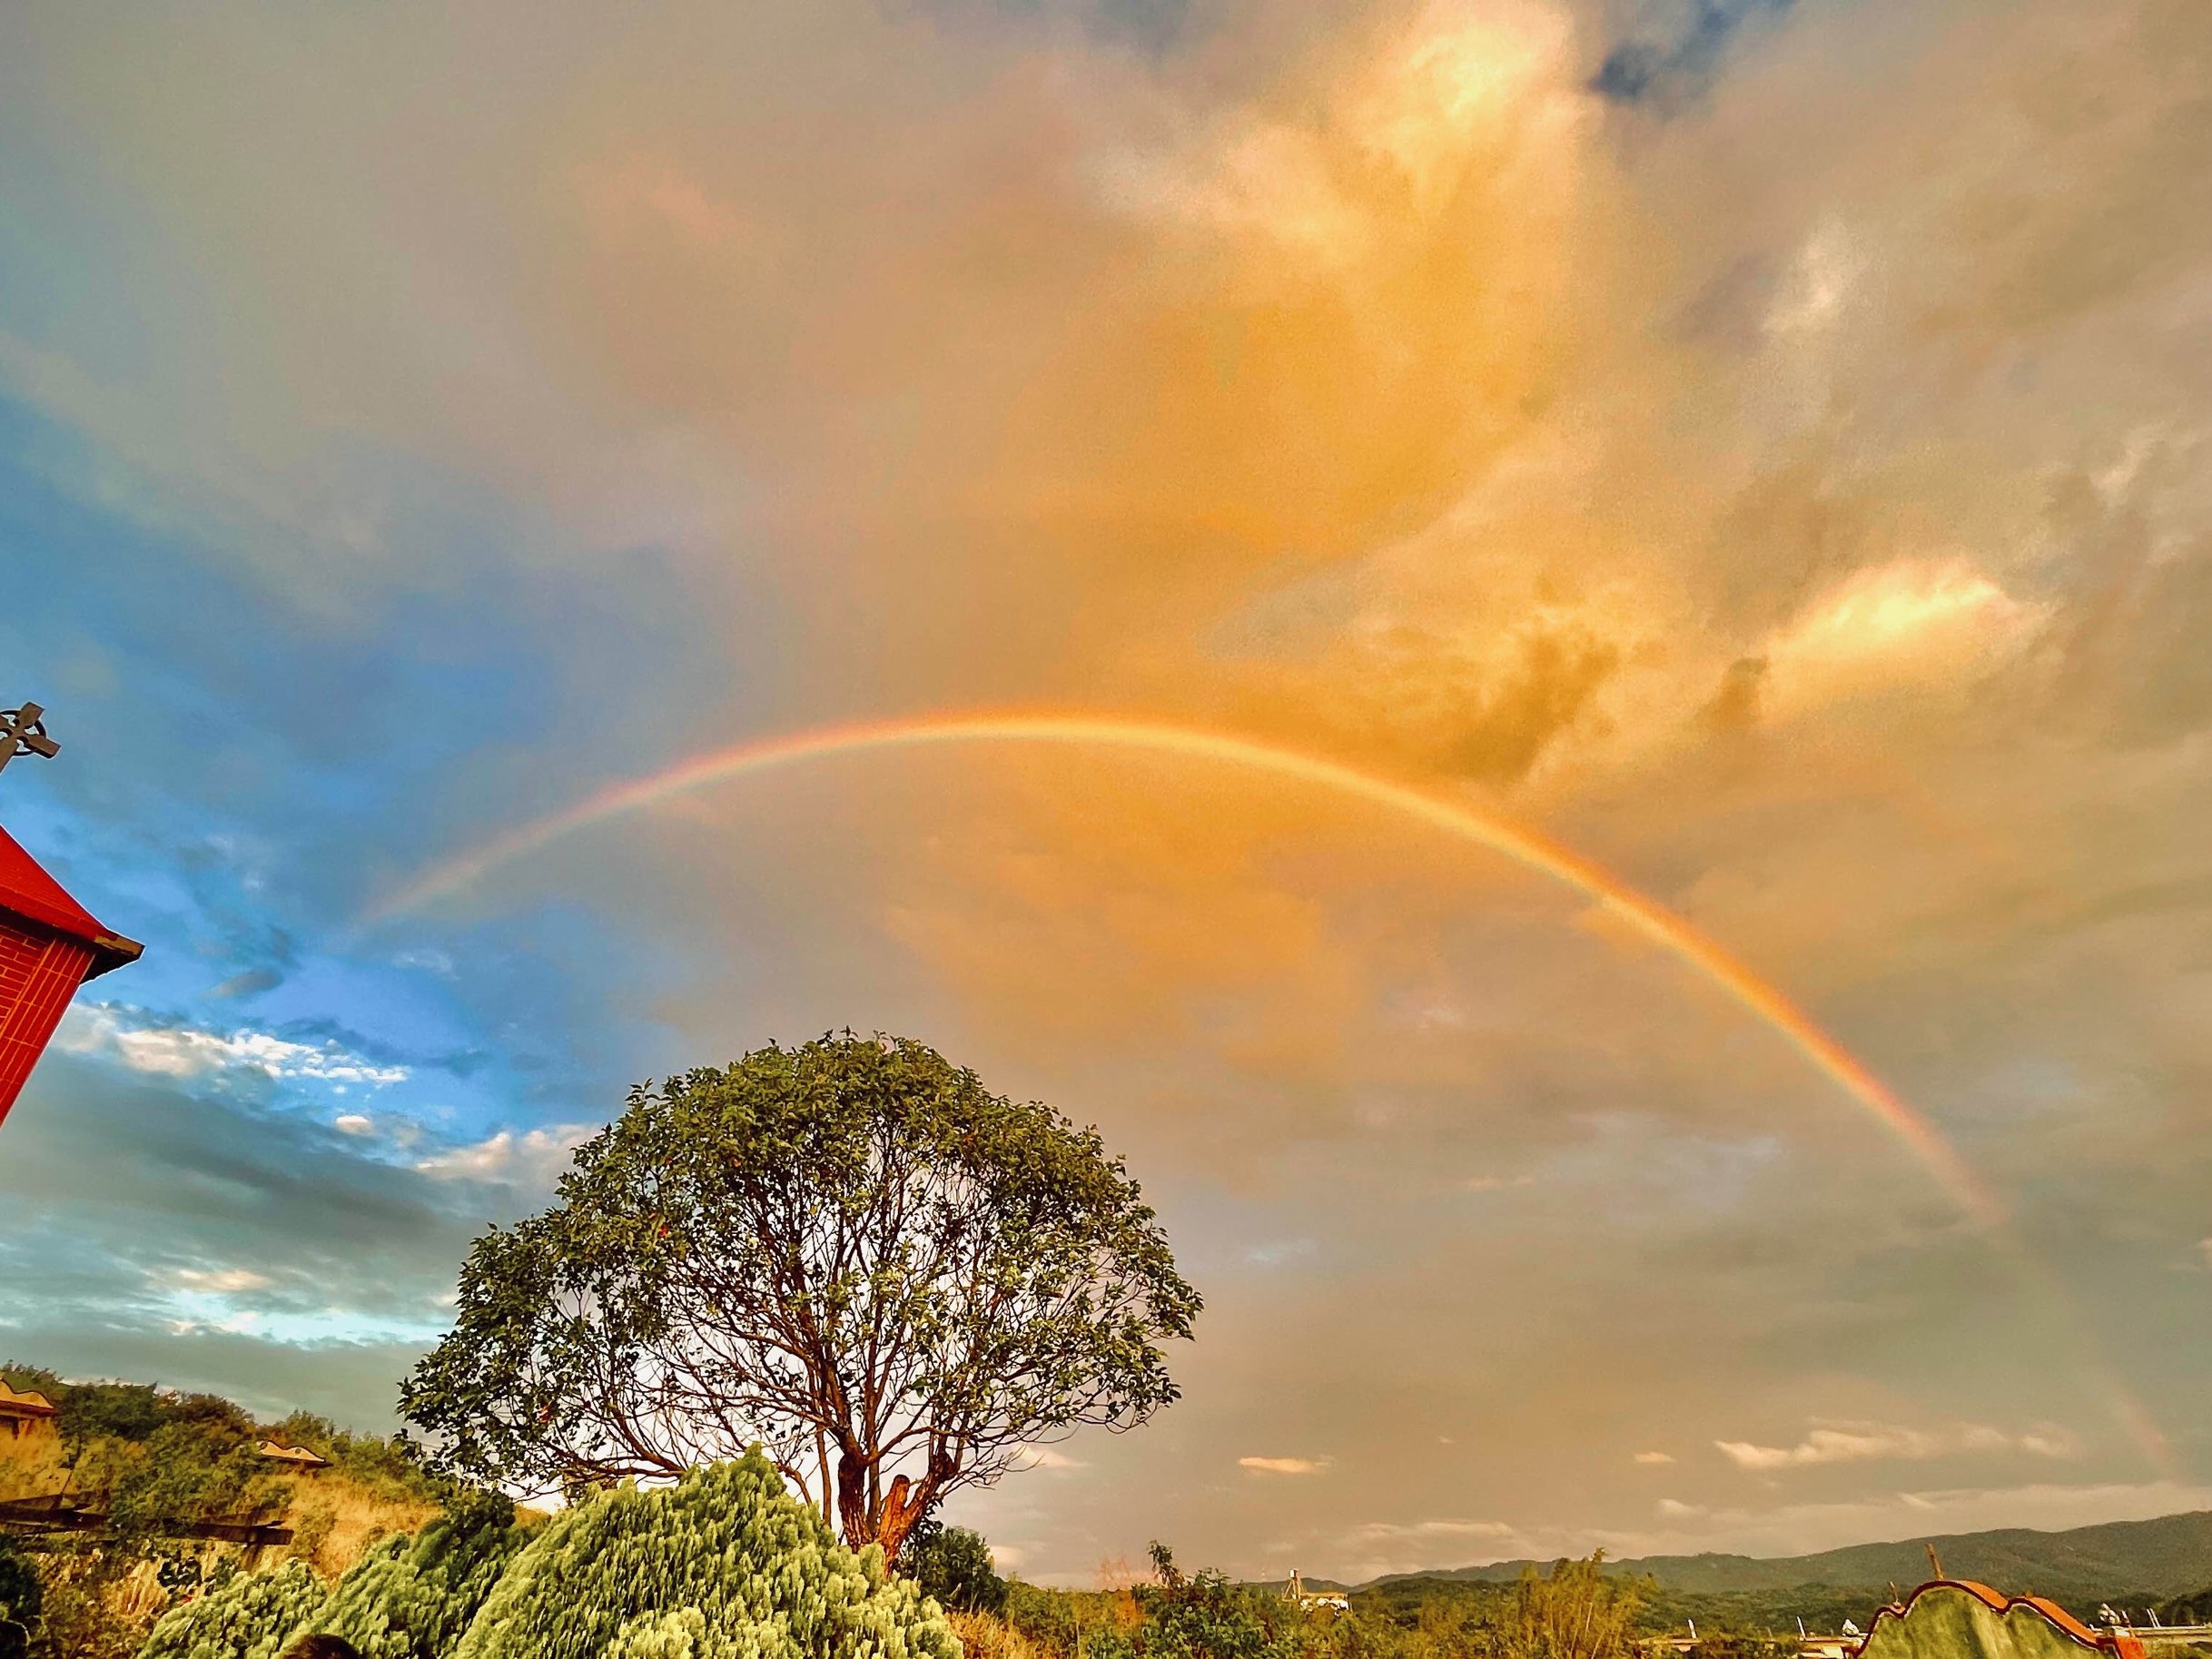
[
  {"x": 1315, "y": 1601},
  {"x": 24, "y": 1417},
  {"x": 292, "y": 1456},
  {"x": 49, "y": 945}
]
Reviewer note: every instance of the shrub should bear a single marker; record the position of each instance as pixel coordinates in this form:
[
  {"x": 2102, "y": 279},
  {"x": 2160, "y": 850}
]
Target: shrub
[
  {"x": 723, "y": 1565},
  {"x": 246, "y": 1617},
  {"x": 19, "y": 1590},
  {"x": 411, "y": 1597},
  {"x": 953, "y": 1565},
  {"x": 984, "y": 1637},
  {"x": 1058, "y": 1622},
  {"x": 1574, "y": 1611}
]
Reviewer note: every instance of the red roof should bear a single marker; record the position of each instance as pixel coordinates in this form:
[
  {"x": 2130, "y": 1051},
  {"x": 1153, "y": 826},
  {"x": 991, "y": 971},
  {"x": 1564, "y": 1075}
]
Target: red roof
[{"x": 27, "y": 891}]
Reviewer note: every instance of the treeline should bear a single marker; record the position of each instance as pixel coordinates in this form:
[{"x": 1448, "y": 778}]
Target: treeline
[
  {"x": 1657, "y": 1610},
  {"x": 1761, "y": 1613},
  {"x": 1573, "y": 1610}
]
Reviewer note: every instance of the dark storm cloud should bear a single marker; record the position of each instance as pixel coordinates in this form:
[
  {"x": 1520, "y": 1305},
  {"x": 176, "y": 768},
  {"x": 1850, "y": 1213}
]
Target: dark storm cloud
[
  {"x": 213, "y": 1237},
  {"x": 153, "y": 1172},
  {"x": 354, "y": 1384},
  {"x": 250, "y": 983}
]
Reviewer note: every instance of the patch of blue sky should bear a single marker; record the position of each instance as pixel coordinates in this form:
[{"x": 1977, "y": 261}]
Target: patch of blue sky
[{"x": 239, "y": 772}]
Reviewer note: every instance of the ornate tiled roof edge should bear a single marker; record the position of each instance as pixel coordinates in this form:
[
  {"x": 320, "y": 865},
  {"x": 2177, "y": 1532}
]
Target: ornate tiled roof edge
[{"x": 2121, "y": 1646}]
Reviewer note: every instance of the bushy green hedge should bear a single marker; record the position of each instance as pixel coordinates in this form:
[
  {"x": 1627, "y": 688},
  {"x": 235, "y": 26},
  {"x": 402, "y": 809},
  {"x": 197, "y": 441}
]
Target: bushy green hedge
[
  {"x": 724, "y": 1565},
  {"x": 248, "y": 1615},
  {"x": 411, "y": 1597}
]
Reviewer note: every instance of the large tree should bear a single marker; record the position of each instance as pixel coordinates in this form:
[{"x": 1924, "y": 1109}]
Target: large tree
[{"x": 850, "y": 1253}]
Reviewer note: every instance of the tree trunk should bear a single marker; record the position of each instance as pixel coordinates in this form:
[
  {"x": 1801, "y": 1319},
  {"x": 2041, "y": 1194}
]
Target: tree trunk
[
  {"x": 904, "y": 1507},
  {"x": 898, "y": 1513},
  {"x": 853, "y": 1518}
]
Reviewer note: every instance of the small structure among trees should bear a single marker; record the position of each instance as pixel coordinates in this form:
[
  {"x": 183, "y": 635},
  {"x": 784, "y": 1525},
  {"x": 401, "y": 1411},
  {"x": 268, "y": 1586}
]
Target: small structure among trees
[
  {"x": 27, "y": 1416},
  {"x": 849, "y": 1253},
  {"x": 295, "y": 1457},
  {"x": 1315, "y": 1601}
]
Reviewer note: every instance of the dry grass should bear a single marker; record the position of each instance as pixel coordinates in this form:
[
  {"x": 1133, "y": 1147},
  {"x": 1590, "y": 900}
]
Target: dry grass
[
  {"x": 335, "y": 1522},
  {"x": 984, "y": 1637}
]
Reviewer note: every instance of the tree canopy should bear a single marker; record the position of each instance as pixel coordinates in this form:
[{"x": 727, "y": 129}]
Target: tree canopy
[{"x": 849, "y": 1253}]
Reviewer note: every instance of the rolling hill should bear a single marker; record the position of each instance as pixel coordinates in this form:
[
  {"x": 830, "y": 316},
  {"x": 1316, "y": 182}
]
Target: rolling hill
[{"x": 2168, "y": 1556}]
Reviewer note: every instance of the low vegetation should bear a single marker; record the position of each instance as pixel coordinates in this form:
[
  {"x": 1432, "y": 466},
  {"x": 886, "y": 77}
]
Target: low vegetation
[{"x": 1571, "y": 1611}]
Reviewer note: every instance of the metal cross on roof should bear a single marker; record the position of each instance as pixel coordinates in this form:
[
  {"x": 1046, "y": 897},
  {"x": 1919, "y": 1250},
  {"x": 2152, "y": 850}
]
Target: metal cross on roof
[{"x": 21, "y": 729}]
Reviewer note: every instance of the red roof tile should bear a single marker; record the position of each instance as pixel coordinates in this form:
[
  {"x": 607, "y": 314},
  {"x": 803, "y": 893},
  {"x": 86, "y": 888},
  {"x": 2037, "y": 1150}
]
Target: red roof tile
[{"x": 27, "y": 891}]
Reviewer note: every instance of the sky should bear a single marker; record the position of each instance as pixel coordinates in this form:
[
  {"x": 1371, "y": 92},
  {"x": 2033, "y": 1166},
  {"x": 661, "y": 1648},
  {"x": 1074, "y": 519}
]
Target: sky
[{"x": 1761, "y": 446}]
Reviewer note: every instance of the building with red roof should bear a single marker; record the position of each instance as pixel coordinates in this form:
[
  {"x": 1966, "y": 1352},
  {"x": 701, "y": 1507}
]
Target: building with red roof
[{"x": 49, "y": 945}]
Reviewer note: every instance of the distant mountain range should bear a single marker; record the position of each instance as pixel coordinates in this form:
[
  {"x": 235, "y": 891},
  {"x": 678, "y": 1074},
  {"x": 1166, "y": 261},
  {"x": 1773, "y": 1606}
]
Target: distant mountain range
[{"x": 2169, "y": 1556}]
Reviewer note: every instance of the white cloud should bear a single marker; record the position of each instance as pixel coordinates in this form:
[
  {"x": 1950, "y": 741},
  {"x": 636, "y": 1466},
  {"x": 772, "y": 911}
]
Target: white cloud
[
  {"x": 221, "y": 1280},
  {"x": 1674, "y": 1509},
  {"x": 1492, "y": 1183},
  {"x": 1376, "y": 1531},
  {"x": 1829, "y": 1442},
  {"x": 1916, "y": 622},
  {"x": 1285, "y": 1466},
  {"x": 1655, "y": 1458},
  {"x": 167, "y": 1049},
  {"x": 1045, "y": 1457},
  {"x": 1827, "y": 268},
  {"x": 534, "y": 1158},
  {"x": 353, "y": 1123},
  {"x": 1376, "y": 1548}
]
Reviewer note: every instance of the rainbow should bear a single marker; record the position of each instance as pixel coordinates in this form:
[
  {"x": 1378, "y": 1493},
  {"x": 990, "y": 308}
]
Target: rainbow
[
  {"x": 1647, "y": 917},
  {"x": 1644, "y": 915}
]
